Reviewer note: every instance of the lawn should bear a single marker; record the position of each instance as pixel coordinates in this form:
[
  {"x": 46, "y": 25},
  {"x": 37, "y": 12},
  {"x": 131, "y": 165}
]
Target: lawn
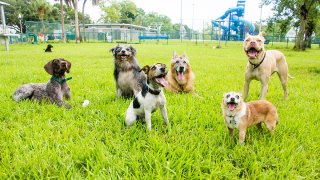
[{"x": 45, "y": 141}]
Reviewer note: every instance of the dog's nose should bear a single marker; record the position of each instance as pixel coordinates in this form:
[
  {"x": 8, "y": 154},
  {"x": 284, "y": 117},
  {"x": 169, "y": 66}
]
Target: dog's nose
[
  {"x": 181, "y": 68},
  {"x": 232, "y": 99},
  {"x": 123, "y": 51},
  {"x": 162, "y": 69},
  {"x": 252, "y": 43}
]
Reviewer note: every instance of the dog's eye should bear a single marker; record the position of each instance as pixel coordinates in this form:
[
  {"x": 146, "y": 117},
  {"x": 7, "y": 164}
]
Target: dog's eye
[
  {"x": 127, "y": 49},
  {"x": 228, "y": 95},
  {"x": 184, "y": 62},
  {"x": 259, "y": 40},
  {"x": 247, "y": 40},
  {"x": 153, "y": 68},
  {"x": 177, "y": 62},
  {"x": 237, "y": 97}
]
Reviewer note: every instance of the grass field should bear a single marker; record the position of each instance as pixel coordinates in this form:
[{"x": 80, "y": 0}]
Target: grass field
[{"x": 45, "y": 141}]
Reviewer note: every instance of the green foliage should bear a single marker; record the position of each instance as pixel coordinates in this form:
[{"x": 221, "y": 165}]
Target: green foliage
[
  {"x": 42, "y": 141},
  {"x": 124, "y": 11}
]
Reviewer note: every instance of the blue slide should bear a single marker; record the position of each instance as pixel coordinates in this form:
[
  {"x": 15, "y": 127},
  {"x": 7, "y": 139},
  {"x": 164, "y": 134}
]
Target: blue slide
[{"x": 234, "y": 26}]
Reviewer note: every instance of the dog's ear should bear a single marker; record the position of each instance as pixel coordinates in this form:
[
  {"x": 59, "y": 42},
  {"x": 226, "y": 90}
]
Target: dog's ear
[
  {"x": 240, "y": 94},
  {"x": 174, "y": 55},
  {"x": 48, "y": 67},
  {"x": 145, "y": 69},
  {"x": 133, "y": 50},
  {"x": 112, "y": 50},
  {"x": 184, "y": 54},
  {"x": 68, "y": 66},
  {"x": 262, "y": 34}
]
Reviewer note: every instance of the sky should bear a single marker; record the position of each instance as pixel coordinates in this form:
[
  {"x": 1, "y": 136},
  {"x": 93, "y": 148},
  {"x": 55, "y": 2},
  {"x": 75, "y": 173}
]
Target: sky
[{"x": 195, "y": 13}]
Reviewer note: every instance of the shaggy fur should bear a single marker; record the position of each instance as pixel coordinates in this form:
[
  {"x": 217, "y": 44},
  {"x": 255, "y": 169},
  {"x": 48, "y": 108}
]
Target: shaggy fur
[
  {"x": 150, "y": 98},
  {"x": 49, "y": 48},
  {"x": 241, "y": 115},
  {"x": 180, "y": 76},
  {"x": 54, "y": 90},
  {"x": 129, "y": 79}
]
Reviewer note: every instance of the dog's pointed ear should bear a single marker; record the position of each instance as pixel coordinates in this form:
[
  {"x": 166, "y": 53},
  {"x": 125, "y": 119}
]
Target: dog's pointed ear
[
  {"x": 48, "y": 67},
  {"x": 247, "y": 35},
  {"x": 174, "y": 55},
  {"x": 184, "y": 54},
  {"x": 262, "y": 34},
  {"x": 133, "y": 50},
  {"x": 145, "y": 69}
]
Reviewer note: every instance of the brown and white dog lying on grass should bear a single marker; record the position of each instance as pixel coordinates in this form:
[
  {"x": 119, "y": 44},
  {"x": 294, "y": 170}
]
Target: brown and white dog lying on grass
[
  {"x": 241, "y": 115},
  {"x": 54, "y": 91},
  {"x": 180, "y": 76},
  {"x": 262, "y": 64}
]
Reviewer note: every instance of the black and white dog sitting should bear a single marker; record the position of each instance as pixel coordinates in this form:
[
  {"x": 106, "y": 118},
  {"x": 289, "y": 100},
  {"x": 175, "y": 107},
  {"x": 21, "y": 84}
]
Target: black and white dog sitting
[
  {"x": 127, "y": 73},
  {"x": 150, "y": 97},
  {"x": 49, "y": 48}
]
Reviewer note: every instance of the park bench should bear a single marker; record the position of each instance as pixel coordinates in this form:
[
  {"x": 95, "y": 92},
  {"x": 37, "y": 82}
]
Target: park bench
[{"x": 154, "y": 37}]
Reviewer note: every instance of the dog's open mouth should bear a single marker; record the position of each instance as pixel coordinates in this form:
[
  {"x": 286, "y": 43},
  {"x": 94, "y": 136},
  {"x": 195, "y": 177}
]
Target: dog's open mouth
[
  {"x": 253, "y": 53},
  {"x": 180, "y": 75},
  {"x": 232, "y": 105},
  {"x": 123, "y": 56},
  {"x": 161, "y": 80}
]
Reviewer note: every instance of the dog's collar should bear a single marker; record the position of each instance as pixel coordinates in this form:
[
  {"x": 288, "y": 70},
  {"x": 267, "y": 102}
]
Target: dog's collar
[
  {"x": 154, "y": 92},
  {"x": 60, "y": 80},
  {"x": 257, "y": 65}
]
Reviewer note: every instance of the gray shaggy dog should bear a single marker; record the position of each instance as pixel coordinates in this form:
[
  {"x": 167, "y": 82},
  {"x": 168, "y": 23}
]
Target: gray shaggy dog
[
  {"x": 54, "y": 90},
  {"x": 127, "y": 74}
]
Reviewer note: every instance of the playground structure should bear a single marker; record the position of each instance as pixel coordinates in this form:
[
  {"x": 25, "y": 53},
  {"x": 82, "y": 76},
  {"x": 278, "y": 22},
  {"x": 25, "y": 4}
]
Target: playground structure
[{"x": 234, "y": 26}]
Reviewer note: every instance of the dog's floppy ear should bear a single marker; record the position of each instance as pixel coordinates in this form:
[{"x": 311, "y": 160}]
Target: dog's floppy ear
[
  {"x": 68, "y": 65},
  {"x": 133, "y": 50},
  {"x": 145, "y": 69},
  {"x": 48, "y": 67}
]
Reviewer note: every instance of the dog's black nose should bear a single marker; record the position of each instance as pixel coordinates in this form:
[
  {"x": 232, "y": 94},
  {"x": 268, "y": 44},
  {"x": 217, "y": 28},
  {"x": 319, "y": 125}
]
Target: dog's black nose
[
  {"x": 162, "y": 69},
  {"x": 181, "y": 68},
  {"x": 232, "y": 99},
  {"x": 123, "y": 51}
]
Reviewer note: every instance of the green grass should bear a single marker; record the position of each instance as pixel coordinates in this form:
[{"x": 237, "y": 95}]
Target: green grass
[{"x": 45, "y": 141}]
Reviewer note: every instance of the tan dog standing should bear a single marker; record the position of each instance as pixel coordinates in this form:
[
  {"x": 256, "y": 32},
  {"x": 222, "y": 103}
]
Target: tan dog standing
[
  {"x": 241, "y": 115},
  {"x": 180, "y": 76},
  {"x": 262, "y": 64}
]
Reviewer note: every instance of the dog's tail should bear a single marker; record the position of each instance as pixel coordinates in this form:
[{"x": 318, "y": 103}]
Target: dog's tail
[{"x": 291, "y": 77}]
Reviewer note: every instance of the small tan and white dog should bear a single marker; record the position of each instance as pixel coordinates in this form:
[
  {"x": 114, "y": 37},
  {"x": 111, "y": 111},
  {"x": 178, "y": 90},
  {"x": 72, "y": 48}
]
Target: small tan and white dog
[
  {"x": 150, "y": 98},
  {"x": 180, "y": 76},
  {"x": 241, "y": 115},
  {"x": 262, "y": 64}
]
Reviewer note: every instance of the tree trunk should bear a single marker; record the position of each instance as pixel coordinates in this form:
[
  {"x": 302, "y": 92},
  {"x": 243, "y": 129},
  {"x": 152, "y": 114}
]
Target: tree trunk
[
  {"x": 83, "y": 23},
  {"x": 76, "y": 21},
  {"x": 63, "y": 33},
  {"x": 300, "y": 44}
]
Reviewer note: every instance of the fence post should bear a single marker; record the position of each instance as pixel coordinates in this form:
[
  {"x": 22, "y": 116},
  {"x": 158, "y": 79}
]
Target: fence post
[{"x": 287, "y": 42}]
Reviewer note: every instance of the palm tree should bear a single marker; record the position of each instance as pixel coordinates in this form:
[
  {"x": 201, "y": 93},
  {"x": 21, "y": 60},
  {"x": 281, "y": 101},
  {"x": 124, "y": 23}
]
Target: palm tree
[
  {"x": 63, "y": 31},
  {"x": 94, "y": 3},
  {"x": 41, "y": 7}
]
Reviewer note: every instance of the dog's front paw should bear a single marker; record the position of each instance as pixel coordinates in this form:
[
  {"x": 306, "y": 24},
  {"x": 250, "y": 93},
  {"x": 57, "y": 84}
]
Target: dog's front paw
[{"x": 67, "y": 106}]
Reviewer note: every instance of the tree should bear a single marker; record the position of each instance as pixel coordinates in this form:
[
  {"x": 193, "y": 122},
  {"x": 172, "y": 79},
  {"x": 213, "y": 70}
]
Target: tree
[
  {"x": 41, "y": 7},
  {"x": 300, "y": 13},
  {"x": 94, "y": 2},
  {"x": 123, "y": 11}
]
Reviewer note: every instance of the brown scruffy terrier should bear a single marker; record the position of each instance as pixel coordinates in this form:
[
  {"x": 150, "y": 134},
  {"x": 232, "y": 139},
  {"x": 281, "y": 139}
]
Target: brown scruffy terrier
[{"x": 241, "y": 115}]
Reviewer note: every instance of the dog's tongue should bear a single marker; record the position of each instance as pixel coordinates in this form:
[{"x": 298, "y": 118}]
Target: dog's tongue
[
  {"x": 181, "y": 76},
  {"x": 232, "y": 106},
  {"x": 162, "y": 81},
  {"x": 252, "y": 53}
]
